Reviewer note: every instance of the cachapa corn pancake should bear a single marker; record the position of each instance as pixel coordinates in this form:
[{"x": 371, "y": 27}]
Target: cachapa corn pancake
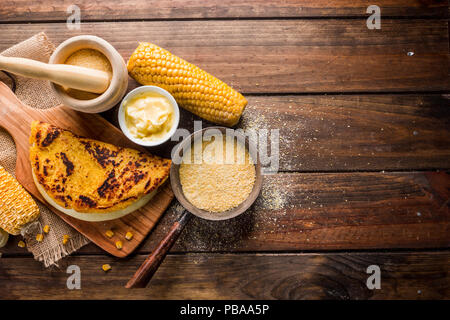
[{"x": 87, "y": 176}]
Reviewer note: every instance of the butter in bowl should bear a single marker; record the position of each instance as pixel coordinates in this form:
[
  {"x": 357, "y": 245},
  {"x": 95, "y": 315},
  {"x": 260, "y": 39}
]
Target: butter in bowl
[{"x": 149, "y": 116}]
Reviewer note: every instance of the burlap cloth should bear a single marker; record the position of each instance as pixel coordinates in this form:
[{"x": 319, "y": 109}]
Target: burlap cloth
[{"x": 38, "y": 94}]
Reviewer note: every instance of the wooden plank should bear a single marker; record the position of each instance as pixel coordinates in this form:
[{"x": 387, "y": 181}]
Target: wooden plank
[
  {"x": 409, "y": 275},
  {"x": 351, "y": 132},
  {"x": 356, "y": 132},
  {"x": 321, "y": 211},
  {"x": 347, "y": 132},
  {"x": 286, "y": 56},
  {"x": 53, "y": 10},
  {"x": 333, "y": 212}
]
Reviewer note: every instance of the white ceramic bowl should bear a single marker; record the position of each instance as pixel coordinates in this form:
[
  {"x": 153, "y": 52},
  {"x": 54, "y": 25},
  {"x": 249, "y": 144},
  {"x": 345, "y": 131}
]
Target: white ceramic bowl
[{"x": 132, "y": 94}]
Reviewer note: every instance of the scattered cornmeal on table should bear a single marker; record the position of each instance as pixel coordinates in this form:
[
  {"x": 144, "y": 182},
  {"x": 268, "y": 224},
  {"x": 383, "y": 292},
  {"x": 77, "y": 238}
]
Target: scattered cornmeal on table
[
  {"x": 217, "y": 175},
  {"x": 119, "y": 245}
]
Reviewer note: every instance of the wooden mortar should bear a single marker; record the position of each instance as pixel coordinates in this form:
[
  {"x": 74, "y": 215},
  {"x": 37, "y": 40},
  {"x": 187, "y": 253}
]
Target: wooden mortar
[{"x": 119, "y": 80}]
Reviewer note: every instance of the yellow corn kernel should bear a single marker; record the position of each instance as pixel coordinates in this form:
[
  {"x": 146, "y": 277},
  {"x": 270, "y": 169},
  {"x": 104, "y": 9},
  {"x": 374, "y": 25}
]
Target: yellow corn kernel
[
  {"x": 4, "y": 236},
  {"x": 119, "y": 245},
  {"x": 39, "y": 237},
  {"x": 109, "y": 233},
  {"x": 106, "y": 267},
  {"x": 66, "y": 238},
  {"x": 46, "y": 228},
  {"x": 17, "y": 207},
  {"x": 21, "y": 244},
  {"x": 129, "y": 235},
  {"x": 193, "y": 88}
]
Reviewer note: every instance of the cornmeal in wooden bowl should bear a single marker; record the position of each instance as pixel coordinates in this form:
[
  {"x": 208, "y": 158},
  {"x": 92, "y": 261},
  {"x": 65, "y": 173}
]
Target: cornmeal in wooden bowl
[{"x": 217, "y": 175}]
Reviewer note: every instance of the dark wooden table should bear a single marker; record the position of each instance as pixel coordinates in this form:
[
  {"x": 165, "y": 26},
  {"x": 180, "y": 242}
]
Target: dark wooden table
[{"x": 364, "y": 124}]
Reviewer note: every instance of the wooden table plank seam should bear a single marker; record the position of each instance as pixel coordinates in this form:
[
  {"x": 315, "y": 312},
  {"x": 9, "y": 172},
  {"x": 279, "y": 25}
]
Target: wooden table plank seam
[
  {"x": 219, "y": 9},
  {"x": 412, "y": 275},
  {"x": 274, "y": 18},
  {"x": 315, "y": 62}
]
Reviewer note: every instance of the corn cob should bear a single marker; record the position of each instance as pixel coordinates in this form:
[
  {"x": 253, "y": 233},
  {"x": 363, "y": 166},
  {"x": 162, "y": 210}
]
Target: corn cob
[
  {"x": 17, "y": 208},
  {"x": 3, "y": 238},
  {"x": 194, "y": 89}
]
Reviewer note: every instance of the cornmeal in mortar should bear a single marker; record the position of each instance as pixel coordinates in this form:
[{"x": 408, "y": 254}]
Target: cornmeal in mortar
[
  {"x": 88, "y": 58},
  {"x": 217, "y": 175}
]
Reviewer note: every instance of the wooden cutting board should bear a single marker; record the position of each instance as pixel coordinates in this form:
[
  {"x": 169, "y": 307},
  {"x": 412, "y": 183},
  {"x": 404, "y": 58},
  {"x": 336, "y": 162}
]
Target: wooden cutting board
[{"x": 16, "y": 118}]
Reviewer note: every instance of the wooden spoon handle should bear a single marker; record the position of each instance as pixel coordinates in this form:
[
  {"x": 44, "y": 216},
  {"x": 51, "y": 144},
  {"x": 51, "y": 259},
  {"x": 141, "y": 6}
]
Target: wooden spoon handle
[
  {"x": 75, "y": 77},
  {"x": 148, "y": 268}
]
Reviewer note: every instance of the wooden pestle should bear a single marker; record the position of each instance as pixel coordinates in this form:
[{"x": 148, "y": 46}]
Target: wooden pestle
[{"x": 75, "y": 77}]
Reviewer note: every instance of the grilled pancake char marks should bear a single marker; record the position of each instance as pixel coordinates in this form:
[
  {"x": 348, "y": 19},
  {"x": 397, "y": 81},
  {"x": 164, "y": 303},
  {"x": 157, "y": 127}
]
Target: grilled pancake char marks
[{"x": 91, "y": 176}]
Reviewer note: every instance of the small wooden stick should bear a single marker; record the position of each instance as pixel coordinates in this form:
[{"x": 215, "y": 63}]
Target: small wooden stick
[{"x": 148, "y": 268}]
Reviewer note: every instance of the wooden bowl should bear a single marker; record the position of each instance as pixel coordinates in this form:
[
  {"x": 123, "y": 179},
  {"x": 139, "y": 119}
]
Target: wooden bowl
[
  {"x": 154, "y": 260},
  {"x": 176, "y": 184},
  {"x": 119, "y": 81}
]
